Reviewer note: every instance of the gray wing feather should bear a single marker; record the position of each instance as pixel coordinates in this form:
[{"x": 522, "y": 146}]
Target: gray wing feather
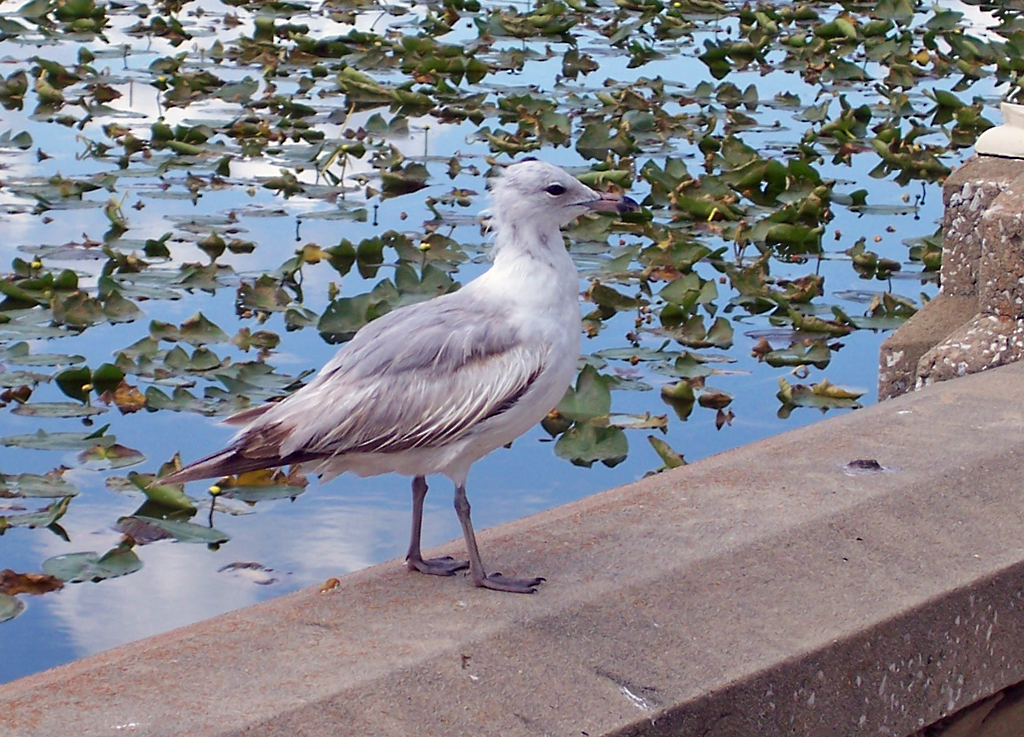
[{"x": 419, "y": 379}]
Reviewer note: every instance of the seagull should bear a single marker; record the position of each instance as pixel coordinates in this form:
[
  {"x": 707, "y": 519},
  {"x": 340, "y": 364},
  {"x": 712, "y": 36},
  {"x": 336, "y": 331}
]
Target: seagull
[{"x": 430, "y": 388}]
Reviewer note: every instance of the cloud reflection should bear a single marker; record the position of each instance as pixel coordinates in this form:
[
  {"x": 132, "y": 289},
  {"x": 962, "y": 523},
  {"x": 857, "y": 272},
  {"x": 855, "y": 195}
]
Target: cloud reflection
[{"x": 325, "y": 533}]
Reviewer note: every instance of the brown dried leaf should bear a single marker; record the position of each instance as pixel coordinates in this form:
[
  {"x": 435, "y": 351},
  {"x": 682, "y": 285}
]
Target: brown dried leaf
[
  {"x": 761, "y": 349},
  {"x": 28, "y": 583},
  {"x": 126, "y": 397},
  {"x": 19, "y": 394}
]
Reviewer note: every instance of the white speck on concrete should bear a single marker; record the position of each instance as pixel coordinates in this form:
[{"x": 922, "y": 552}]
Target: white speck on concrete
[{"x": 638, "y": 701}]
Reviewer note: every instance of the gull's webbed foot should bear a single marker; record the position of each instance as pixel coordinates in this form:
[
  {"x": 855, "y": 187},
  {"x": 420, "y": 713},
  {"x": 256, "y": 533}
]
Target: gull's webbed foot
[
  {"x": 446, "y": 566},
  {"x": 477, "y": 574},
  {"x": 497, "y": 582}
]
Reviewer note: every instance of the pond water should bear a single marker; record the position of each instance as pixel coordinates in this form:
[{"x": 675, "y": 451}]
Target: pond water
[{"x": 270, "y": 164}]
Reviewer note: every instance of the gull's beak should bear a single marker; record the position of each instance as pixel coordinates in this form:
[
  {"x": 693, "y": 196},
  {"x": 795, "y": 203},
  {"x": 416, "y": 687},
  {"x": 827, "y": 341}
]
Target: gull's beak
[{"x": 611, "y": 202}]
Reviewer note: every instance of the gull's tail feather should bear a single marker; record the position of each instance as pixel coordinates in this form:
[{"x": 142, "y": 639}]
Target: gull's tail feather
[
  {"x": 222, "y": 463},
  {"x": 248, "y": 415},
  {"x": 227, "y": 462},
  {"x": 235, "y": 459}
]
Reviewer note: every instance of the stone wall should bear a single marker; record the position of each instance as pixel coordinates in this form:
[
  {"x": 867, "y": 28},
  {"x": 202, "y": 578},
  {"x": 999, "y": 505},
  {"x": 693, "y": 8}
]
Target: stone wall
[{"x": 977, "y": 321}]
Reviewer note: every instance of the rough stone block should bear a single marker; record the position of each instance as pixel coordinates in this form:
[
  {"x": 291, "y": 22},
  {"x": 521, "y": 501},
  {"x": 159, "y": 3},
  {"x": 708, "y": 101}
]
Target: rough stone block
[
  {"x": 1001, "y": 269},
  {"x": 975, "y": 323},
  {"x": 901, "y": 352},
  {"x": 966, "y": 196},
  {"x": 984, "y": 343}
]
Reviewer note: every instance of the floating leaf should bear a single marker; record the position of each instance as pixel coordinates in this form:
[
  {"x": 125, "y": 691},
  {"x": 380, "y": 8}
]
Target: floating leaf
[
  {"x": 645, "y": 421},
  {"x": 815, "y": 354},
  {"x": 42, "y": 440},
  {"x": 263, "y": 295},
  {"x": 10, "y": 607},
  {"x": 57, "y": 409},
  {"x": 585, "y": 442},
  {"x": 22, "y": 140},
  {"x": 171, "y": 496},
  {"x": 27, "y": 583},
  {"x": 198, "y": 330},
  {"x": 262, "y": 485},
  {"x": 669, "y": 457},
  {"x": 692, "y": 333},
  {"x": 590, "y": 398},
  {"x": 78, "y": 310},
  {"x": 261, "y": 339},
  {"x": 111, "y": 456},
  {"x": 403, "y": 180},
  {"x": 125, "y": 397},
  {"x": 90, "y": 566},
  {"x": 823, "y": 395},
  {"x": 75, "y": 382},
  {"x": 183, "y": 532},
  {"x": 681, "y": 397},
  {"x": 344, "y": 316},
  {"x": 43, "y": 518},
  {"x": 714, "y": 398},
  {"x": 48, "y": 486}
]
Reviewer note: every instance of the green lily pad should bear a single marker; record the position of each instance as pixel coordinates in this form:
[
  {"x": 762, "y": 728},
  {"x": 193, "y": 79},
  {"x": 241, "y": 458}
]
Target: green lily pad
[
  {"x": 590, "y": 398},
  {"x": 262, "y": 493},
  {"x": 43, "y": 518},
  {"x": 692, "y": 333},
  {"x": 645, "y": 421},
  {"x": 815, "y": 354},
  {"x": 111, "y": 456},
  {"x": 585, "y": 442},
  {"x": 10, "y": 607},
  {"x": 183, "y": 532},
  {"x": 12, "y": 379},
  {"x": 90, "y": 566},
  {"x": 691, "y": 366},
  {"x": 78, "y": 310},
  {"x": 198, "y": 330},
  {"x": 824, "y": 395},
  {"x": 75, "y": 382},
  {"x": 713, "y": 398},
  {"x": 45, "y": 359},
  {"x": 57, "y": 409},
  {"x": 171, "y": 496},
  {"x": 669, "y": 457},
  {"x": 42, "y": 440},
  {"x": 344, "y": 316},
  {"x": 36, "y": 485},
  {"x": 403, "y": 180}
]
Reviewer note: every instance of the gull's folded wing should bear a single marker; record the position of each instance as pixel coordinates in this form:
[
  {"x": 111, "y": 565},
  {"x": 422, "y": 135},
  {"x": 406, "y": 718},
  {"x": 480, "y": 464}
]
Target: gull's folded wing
[{"x": 419, "y": 377}]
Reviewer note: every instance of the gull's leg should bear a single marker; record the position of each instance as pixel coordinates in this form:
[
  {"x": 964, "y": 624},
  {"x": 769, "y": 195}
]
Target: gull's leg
[
  {"x": 414, "y": 559},
  {"x": 476, "y": 566}
]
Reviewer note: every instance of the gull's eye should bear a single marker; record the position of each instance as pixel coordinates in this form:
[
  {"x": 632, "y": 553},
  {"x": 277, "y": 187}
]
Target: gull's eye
[{"x": 555, "y": 189}]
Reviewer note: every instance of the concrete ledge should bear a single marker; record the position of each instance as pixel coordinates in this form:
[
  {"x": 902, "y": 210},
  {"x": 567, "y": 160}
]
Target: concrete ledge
[{"x": 764, "y": 591}]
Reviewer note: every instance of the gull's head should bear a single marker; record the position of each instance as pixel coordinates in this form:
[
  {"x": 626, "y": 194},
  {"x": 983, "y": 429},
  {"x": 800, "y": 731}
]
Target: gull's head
[{"x": 536, "y": 192}]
